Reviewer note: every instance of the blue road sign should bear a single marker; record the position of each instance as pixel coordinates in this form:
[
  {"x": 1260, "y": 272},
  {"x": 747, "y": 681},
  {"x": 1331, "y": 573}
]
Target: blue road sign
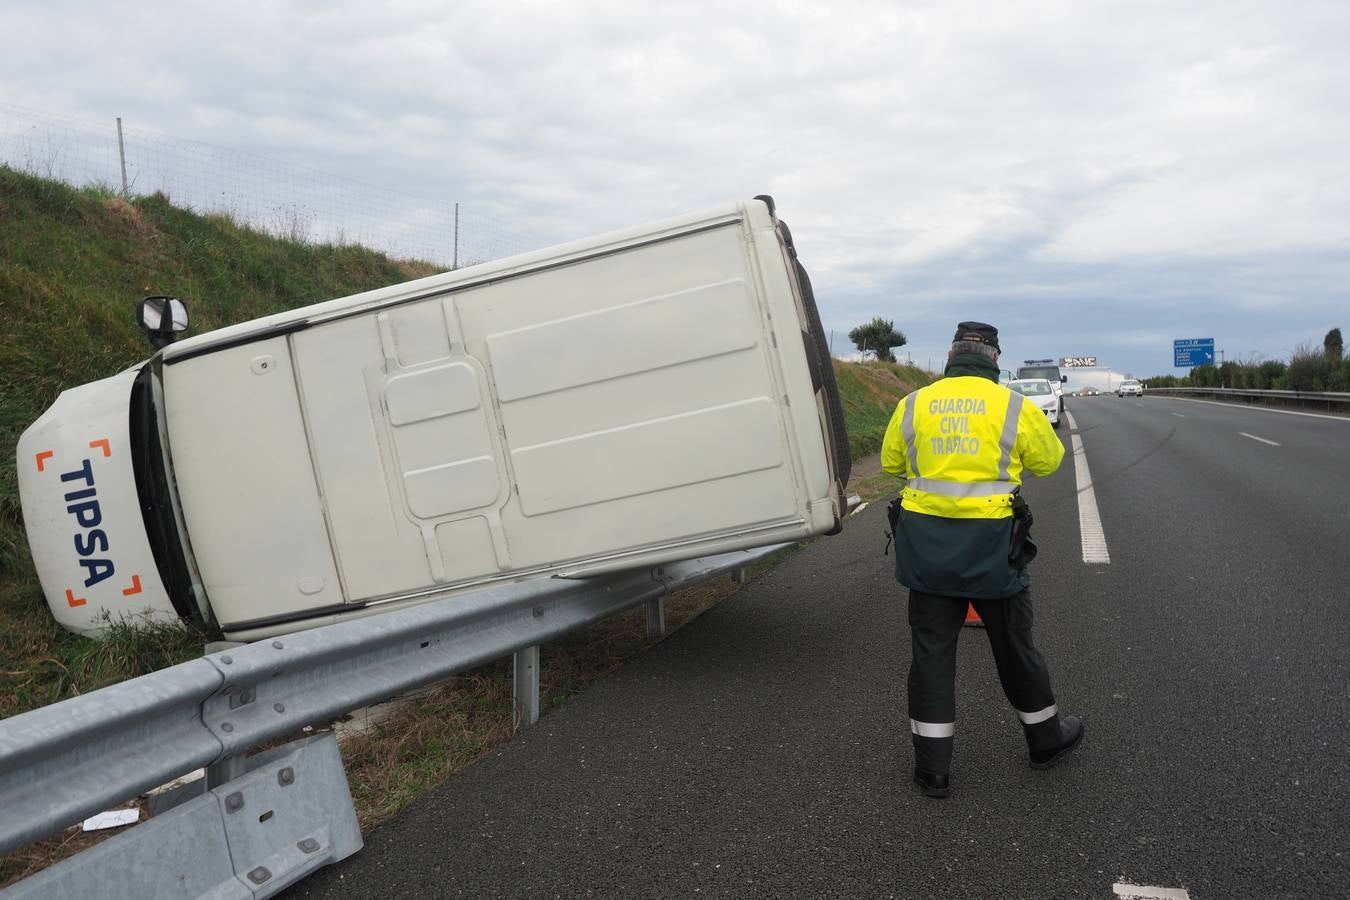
[{"x": 1193, "y": 352}]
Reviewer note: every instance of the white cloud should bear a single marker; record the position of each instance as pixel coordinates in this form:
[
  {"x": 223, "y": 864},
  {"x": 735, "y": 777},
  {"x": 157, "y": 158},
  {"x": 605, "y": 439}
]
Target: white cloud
[{"x": 930, "y": 157}]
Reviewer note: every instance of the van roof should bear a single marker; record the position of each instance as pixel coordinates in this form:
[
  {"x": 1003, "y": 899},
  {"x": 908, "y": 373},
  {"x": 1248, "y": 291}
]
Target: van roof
[{"x": 459, "y": 279}]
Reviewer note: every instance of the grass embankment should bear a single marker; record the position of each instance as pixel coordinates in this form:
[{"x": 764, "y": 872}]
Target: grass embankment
[
  {"x": 870, "y": 391},
  {"x": 72, "y": 263}
]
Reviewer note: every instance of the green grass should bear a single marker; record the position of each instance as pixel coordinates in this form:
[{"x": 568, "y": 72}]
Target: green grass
[
  {"x": 870, "y": 392},
  {"x": 73, "y": 262}
]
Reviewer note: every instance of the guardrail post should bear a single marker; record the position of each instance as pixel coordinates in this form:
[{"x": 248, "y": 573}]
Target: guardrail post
[
  {"x": 656, "y": 618},
  {"x": 525, "y": 693},
  {"x": 740, "y": 575},
  {"x": 228, "y": 769}
]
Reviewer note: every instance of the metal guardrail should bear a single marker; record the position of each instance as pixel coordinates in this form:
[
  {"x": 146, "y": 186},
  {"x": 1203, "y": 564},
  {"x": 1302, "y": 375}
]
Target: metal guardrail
[
  {"x": 1338, "y": 402},
  {"x": 63, "y": 762}
]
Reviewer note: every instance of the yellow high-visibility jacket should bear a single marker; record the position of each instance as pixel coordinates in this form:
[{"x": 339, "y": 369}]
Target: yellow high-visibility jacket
[{"x": 963, "y": 443}]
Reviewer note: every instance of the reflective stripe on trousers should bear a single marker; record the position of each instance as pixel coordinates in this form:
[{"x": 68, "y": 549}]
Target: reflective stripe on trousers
[
  {"x": 932, "y": 729},
  {"x": 1040, "y": 715}
]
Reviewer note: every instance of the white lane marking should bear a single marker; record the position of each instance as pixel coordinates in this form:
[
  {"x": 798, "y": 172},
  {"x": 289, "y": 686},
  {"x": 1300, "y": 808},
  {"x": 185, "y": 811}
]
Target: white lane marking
[
  {"x": 1089, "y": 520},
  {"x": 1144, "y": 892},
  {"x": 1283, "y": 412},
  {"x": 1261, "y": 439},
  {"x": 1179, "y": 415}
]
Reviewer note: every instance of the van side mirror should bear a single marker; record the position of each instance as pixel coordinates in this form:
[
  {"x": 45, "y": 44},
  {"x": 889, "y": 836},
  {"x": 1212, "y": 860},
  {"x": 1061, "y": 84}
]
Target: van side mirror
[
  {"x": 1064, "y": 378},
  {"x": 162, "y": 319}
]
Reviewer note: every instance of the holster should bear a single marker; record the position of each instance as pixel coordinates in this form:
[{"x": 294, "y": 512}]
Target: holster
[
  {"x": 1021, "y": 549},
  {"x": 893, "y": 517}
]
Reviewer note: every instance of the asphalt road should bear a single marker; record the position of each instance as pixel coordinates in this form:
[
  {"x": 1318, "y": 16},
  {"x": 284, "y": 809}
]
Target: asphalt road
[{"x": 763, "y": 750}]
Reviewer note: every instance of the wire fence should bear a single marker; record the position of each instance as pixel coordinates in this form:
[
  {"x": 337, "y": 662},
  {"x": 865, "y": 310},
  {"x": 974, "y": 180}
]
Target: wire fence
[{"x": 279, "y": 198}]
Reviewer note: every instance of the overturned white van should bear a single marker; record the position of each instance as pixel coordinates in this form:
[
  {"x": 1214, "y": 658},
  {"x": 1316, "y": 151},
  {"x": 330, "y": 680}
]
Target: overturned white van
[{"x": 644, "y": 396}]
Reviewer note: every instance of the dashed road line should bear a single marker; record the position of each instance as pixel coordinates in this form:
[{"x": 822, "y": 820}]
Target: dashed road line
[
  {"x": 1129, "y": 891},
  {"x": 1255, "y": 438},
  {"x": 1179, "y": 415},
  {"x": 1089, "y": 520}
]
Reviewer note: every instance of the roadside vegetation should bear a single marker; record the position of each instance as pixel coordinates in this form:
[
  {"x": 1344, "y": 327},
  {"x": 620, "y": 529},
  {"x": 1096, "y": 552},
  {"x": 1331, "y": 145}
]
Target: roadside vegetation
[
  {"x": 72, "y": 264},
  {"x": 870, "y": 391},
  {"x": 1310, "y": 368}
]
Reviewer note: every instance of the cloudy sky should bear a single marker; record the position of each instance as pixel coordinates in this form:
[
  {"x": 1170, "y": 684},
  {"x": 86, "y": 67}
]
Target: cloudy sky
[{"x": 1095, "y": 178}]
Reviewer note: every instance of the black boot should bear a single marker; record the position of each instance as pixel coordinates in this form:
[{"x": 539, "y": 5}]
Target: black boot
[
  {"x": 931, "y": 783},
  {"x": 1049, "y": 740},
  {"x": 932, "y": 762}
]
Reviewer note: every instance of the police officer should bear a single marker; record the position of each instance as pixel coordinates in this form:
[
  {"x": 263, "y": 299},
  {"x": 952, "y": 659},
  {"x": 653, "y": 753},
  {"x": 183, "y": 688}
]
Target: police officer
[{"x": 962, "y": 443}]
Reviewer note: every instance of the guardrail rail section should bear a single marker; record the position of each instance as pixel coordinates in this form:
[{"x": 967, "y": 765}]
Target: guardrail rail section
[
  {"x": 1331, "y": 401},
  {"x": 257, "y": 824}
]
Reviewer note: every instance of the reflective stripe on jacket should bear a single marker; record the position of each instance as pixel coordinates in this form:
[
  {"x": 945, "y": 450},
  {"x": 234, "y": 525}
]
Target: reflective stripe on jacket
[{"x": 962, "y": 443}]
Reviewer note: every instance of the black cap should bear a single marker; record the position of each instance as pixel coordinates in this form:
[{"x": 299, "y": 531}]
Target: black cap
[{"x": 978, "y": 333}]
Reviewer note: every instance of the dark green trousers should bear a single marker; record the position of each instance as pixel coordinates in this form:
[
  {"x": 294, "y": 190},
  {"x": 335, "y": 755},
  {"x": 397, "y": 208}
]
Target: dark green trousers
[{"x": 935, "y": 625}]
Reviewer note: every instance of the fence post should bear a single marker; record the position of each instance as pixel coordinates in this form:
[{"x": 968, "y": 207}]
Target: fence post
[{"x": 122, "y": 155}]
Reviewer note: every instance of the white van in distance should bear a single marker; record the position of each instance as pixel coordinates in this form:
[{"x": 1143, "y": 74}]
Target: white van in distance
[{"x": 649, "y": 395}]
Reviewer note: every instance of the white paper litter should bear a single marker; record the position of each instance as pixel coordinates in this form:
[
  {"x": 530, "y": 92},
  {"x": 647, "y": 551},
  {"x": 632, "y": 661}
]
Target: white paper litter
[{"x": 113, "y": 818}]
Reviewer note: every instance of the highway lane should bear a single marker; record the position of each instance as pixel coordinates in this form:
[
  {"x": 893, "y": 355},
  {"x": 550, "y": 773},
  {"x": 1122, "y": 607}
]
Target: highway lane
[
  {"x": 1222, "y": 640},
  {"x": 763, "y": 749}
]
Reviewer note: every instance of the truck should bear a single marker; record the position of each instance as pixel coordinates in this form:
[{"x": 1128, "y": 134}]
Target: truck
[
  {"x": 657, "y": 393},
  {"x": 1050, "y": 371}
]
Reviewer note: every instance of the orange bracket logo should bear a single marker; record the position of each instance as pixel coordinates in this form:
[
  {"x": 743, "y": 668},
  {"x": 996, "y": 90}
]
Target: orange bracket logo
[
  {"x": 73, "y": 600},
  {"x": 135, "y": 586},
  {"x": 103, "y": 443},
  {"x": 43, "y": 457}
]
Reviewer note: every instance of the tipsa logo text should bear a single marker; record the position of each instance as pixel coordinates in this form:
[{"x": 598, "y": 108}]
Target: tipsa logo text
[{"x": 91, "y": 542}]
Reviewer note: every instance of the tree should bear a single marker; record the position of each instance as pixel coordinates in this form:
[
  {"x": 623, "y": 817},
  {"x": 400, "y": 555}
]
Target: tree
[
  {"x": 1271, "y": 371},
  {"x": 1332, "y": 346},
  {"x": 1205, "y": 376},
  {"x": 878, "y": 337},
  {"x": 1308, "y": 370}
]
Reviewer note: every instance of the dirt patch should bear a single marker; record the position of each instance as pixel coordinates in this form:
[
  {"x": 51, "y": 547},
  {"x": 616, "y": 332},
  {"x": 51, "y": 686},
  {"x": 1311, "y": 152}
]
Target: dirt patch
[
  {"x": 864, "y": 469},
  {"x": 869, "y": 482},
  {"x": 128, "y": 216}
]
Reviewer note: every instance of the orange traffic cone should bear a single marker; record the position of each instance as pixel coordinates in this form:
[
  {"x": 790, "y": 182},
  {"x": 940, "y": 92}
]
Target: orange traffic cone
[{"x": 972, "y": 617}]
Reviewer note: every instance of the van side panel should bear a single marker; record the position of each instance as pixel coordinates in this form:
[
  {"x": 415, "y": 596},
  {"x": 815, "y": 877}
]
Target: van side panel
[
  {"x": 246, "y": 482},
  {"x": 658, "y": 410},
  {"x": 405, "y": 447},
  {"x": 641, "y": 404},
  {"x": 611, "y": 405}
]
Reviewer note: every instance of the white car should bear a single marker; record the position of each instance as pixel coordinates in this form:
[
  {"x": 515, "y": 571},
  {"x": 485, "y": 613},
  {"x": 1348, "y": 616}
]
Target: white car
[
  {"x": 1042, "y": 393},
  {"x": 1130, "y": 387}
]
